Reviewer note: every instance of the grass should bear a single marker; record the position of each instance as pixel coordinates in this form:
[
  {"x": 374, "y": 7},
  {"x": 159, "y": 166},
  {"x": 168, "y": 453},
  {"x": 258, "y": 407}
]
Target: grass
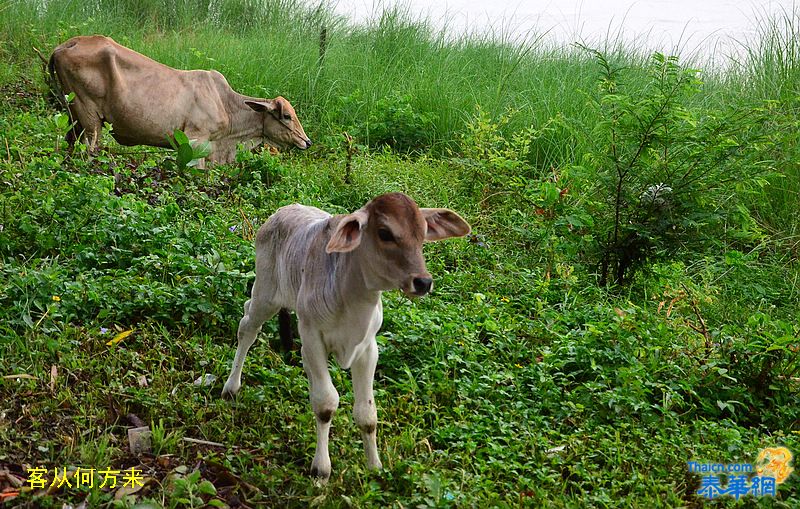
[
  {"x": 520, "y": 382},
  {"x": 770, "y": 72}
]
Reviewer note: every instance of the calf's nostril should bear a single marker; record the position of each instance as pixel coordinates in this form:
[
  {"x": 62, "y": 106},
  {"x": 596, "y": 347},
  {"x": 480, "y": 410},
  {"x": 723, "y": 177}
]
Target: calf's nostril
[
  {"x": 422, "y": 285},
  {"x": 308, "y": 143}
]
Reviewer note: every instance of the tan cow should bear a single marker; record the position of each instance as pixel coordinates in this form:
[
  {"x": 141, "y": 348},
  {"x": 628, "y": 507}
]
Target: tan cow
[
  {"x": 146, "y": 101},
  {"x": 331, "y": 270}
]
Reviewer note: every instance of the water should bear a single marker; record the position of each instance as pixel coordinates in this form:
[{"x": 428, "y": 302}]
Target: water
[{"x": 710, "y": 30}]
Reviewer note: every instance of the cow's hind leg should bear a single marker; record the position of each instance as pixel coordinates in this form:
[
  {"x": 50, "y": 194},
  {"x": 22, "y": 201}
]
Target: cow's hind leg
[
  {"x": 257, "y": 310},
  {"x": 324, "y": 398},
  {"x": 74, "y": 132},
  {"x": 364, "y": 412}
]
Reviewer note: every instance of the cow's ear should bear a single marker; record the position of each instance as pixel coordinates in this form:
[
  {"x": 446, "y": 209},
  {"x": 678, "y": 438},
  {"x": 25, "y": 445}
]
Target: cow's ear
[
  {"x": 279, "y": 102},
  {"x": 348, "y": 233},
  {"x": 268, "y": 105},
  {"x": 443, "y": 224}
]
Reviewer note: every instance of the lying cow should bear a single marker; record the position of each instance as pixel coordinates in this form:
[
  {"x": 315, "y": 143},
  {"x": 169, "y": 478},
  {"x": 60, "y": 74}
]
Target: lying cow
[
  {"x": 331, "y": 270},
  {"x": 146, "y": 101}
]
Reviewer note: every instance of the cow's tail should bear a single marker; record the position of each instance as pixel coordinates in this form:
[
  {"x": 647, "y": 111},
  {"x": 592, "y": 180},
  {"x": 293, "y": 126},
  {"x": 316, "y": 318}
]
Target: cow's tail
[
  {"x": 285, "y": 329},
  {"x": 50, "y": 78},
  {"x": 54, "y": 84}
]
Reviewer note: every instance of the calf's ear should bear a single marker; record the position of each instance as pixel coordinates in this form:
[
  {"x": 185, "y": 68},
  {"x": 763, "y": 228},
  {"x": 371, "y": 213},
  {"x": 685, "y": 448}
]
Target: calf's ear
[
  {"x": 348, "y": 233},
  {"x": 443, "y": 224},
  {"x": 268, "y": 105}
]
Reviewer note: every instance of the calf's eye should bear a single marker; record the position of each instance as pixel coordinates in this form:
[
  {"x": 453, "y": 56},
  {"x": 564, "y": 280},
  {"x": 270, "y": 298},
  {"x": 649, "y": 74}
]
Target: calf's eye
[
  {"x": 385, "y": 235},
  {"x": 287, "y": 117}
]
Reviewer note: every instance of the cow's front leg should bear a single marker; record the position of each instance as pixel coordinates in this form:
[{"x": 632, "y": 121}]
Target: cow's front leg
[
  {"x": 364, "y": 412},
  {"x": 324, "y": 398},
  {"x": 90, "y": 119},
  {"x": 222, "y": 152}
]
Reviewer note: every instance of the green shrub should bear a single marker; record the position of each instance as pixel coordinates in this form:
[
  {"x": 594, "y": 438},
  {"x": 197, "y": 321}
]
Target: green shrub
[
  {"x": 393, "y": 122},
  {"x": 663, "y": 164}
]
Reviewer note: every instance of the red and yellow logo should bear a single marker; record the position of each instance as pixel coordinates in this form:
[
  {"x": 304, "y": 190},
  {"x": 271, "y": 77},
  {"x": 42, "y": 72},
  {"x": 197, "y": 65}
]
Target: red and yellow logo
[{"x": 774, "y": 462}]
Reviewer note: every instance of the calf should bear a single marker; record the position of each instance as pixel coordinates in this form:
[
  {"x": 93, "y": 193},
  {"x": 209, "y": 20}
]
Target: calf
[
  {"x": 146, "y": 101},
  {"x": 331, "y": 270}
]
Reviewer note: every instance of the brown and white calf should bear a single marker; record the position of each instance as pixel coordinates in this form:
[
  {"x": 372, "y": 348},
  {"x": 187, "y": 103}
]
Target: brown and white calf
[
  {"x": 146, "y": 101},
  {"x": 331, "y": 270}
]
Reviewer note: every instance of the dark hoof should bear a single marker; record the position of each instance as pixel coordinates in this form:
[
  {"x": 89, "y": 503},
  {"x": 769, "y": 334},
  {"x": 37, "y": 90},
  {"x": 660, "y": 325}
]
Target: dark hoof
[{"x": 320, "y": 475}]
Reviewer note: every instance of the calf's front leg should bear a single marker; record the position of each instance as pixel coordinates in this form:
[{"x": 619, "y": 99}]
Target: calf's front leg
[
  {"x": 364, "y": 412},
  {"x": 323, "y": 395}
]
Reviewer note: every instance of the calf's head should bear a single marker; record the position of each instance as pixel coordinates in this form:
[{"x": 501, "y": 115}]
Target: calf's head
[
  {"x": 281, "y": 126},
  {"x": 388, "y": 233}
]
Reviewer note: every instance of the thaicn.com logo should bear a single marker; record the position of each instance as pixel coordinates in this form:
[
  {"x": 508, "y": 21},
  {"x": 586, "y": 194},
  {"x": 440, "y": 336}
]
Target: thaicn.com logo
[{"x": 760, "y": 479}]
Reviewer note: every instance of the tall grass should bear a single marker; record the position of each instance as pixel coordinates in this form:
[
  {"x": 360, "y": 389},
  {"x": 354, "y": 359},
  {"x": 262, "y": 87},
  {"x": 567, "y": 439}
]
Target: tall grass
[
  {"x": 770, "y": 68},
  {"x": 770, "y": 71},
  {"x": 273, "y": 47},
  {"x": 269, "y": 47}
]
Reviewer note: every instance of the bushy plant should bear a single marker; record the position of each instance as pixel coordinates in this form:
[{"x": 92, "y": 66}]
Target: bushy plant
[
  {"x": 188, "y": 153},
  {"x": 662, "y": 165},
  {"x": 392, "y": 121}
]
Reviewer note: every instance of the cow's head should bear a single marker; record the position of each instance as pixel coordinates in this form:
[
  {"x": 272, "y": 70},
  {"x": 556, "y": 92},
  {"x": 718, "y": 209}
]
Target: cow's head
[
  {"x": 281, "y": 126},
  {"x": 389, "y": 232}
]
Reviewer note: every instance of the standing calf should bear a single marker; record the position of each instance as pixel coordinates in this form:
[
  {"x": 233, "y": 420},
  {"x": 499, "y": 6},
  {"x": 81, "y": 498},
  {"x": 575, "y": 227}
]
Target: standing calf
[{"x": 331, "y": 270}]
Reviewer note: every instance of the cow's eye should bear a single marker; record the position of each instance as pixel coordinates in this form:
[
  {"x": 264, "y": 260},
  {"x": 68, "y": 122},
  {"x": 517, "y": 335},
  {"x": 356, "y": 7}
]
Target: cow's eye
[
  {"x": 385, "y": 235},
  {"x": 287, "y": 117}
]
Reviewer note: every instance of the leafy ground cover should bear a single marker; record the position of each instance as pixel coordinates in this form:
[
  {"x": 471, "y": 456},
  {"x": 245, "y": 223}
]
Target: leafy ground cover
[{"x": 628, "y": 301}]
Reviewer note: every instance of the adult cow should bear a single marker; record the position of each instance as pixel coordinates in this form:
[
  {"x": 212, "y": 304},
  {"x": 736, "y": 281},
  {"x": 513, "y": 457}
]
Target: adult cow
[
  {"x": 146, "y": 101},
  {"x": 331, "y": 270}
]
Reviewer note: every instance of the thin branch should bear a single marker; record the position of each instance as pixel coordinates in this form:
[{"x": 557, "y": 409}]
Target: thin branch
[{"x": 202, "y": 442}]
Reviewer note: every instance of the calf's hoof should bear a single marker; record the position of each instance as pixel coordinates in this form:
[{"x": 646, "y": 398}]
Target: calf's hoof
[
  {"x": 229, "y": 390},
  {"x": 321, "y": 476}
]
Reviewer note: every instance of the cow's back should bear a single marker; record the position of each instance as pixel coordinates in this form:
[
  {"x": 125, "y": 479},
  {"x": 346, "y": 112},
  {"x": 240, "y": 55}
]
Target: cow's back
[
  {"x": 143, "y": 99},
  {"x": 92, "y": 66}
]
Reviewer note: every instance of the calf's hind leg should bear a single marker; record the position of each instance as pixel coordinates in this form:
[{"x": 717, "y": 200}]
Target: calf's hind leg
[{"x": 257, "y": 310}]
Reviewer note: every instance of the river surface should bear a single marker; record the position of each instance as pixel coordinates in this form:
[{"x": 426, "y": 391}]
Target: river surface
[{"x": 706, "y": 29}]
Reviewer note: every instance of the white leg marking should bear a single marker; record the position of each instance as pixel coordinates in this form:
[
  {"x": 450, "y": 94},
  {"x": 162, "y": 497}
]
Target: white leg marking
[{"x": 364, "y": 411}]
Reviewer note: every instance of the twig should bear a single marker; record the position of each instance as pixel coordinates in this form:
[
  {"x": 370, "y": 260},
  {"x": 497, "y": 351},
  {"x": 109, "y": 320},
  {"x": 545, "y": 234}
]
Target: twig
[
  {"x": 41, "y": 57},
  {"x": 202, "y": 442},
  {"x": 20, "y": 375},
  {"x": 351, "y": 150},
  {"x": 42, "y": 318},
  {"x": 323, "y": 45},
  {"x": 53, "y": 378},
  {"x": 249, "y": 231},
  {"x": 702, "y": 329},
  {"x": 486, "y": 198}
]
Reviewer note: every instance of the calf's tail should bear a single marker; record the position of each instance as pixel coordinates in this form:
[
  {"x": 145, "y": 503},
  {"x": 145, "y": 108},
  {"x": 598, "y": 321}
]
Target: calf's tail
[{"x": 285, "y": 329}]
